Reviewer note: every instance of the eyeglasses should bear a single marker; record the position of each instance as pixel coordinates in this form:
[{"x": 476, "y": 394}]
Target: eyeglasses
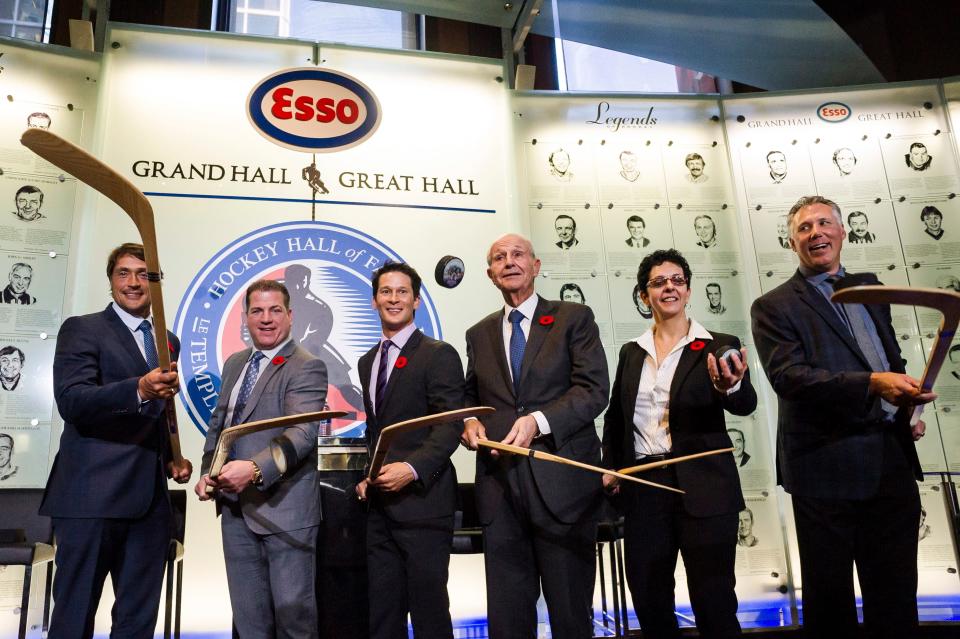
[{"x": 659, "y": 282}]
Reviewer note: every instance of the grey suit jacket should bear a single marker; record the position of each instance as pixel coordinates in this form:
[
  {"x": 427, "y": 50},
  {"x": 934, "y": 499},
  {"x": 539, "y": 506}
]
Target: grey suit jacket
[
  {"x": 431, "y": 381},
  {"x": 564, "y": 375},
  {"x": 829, "y": 428},
  {"x": 297, "y": 384}
]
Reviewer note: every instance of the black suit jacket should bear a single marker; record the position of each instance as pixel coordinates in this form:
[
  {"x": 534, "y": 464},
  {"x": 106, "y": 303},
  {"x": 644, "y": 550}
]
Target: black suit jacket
[
  {"x": 430, "y": 382},
  {"x": 697, "y": 424},
  {"x": 113, "y": 453},
  {"x": 829, "y": 435},
  {"x": 564, "y": 375}
]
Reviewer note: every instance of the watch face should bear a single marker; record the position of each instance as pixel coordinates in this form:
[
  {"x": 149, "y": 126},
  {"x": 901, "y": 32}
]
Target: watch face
[{"x": 449, "y": 272}]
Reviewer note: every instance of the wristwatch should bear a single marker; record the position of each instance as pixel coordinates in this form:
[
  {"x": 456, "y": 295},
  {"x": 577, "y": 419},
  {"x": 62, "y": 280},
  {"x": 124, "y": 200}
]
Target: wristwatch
[{"x": 257, "y": 475}]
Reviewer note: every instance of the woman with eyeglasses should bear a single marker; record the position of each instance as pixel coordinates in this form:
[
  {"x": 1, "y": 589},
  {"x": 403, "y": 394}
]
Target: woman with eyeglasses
[{"x": 671, "y": 388}]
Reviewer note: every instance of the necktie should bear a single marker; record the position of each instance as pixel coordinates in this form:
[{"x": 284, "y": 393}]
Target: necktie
[
  {"x": 382, "y": 374},
  {"x": 517, "y": 345},
  {"x": 149, "y": 345},
  {"x": 249, "y": 381}
]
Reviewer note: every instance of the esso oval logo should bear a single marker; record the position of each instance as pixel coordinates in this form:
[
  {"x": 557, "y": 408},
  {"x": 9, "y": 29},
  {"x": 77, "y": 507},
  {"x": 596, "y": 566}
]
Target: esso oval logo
[
  {"x": 834, "y": 112},
  {"x": 313, "y": 110}
]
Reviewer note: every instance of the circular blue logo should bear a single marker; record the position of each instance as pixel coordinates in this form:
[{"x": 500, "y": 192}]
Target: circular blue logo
[{"x": 327, "y": 268}]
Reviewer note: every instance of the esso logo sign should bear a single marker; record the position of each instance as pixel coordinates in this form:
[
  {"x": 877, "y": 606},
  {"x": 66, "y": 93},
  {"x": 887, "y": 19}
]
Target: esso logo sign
[
  {"x": 313, "y": 110},
  {"x": 834, "y": 112}
]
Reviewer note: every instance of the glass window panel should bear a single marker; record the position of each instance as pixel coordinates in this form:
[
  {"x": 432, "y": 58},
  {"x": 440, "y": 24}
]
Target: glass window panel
[
  {"x": 6, "y": 10},
  {"x": 270, "y": 5},
  {"x": 263, "y": 25},
  {"x": 592, "y": 68},
  {"x": 342, "y": 23},
  {"x": 29, "y": 33},
  {"x": 31, "y": 10}
]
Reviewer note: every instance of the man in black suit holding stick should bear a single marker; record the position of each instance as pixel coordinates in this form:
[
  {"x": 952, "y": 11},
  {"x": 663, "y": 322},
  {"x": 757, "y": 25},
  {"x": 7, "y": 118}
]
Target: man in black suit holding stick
[
  {"x": 540, "y": 363},
  {"x": 845, "y": 450},
  {"x": 412, "y": 501}
]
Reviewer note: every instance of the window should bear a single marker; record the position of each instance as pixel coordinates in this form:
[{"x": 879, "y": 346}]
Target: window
[{"x": 25, "y": 19}]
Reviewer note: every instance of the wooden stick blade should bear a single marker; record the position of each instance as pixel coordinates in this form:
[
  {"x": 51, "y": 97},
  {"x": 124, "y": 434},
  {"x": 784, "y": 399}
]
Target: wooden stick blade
[
  {"x": 676, "y": 460},
  {"x": 538, "y": 454},
  {"x": 390, "y": 432}
]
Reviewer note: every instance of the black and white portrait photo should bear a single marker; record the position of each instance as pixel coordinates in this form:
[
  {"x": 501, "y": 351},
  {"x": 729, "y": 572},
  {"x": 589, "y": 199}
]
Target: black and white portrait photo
[
  {"x": 695, "y": 165},
  {"x": 16, "y": 292},
  {"x": 739, "y": 441},
  {"x": 918, "y": 158},
  {"x": 7, "y": 468},
  {"x": 559, "y": 165},
  {"x": 566, "y": 228},
  {"x": 949, "y": 282},
  {"x": 636, "y": 227},
  {"x": 642, "y": 308},
  {"x": 715, "y": 299},
  {"x": 924, "y": 531},
  {"x": 859, "y": 225},
  {"x": 38, "y": 120},
  {"x": 11, "y": 367},
  {"x": 932, "y": 220},
  {"x": 571, "y": 292},
  {"x": 706, "y": 231},
  {"x": 845, "y": 160},
  {"x": 777, "y": 163},
  {"x": 783, "y": 232},
  {"x": 628, "y": 166},
  {"x": 745, "y": 536},
  {"x": 28, "y": 201}
]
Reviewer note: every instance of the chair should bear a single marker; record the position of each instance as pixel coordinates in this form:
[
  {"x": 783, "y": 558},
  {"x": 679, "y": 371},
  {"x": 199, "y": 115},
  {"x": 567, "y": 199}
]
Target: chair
[
  {"x": 27, "y": 540},
  {"x": 174, "y": 577},
  {"x": 467, "y": 532},
  {"x": 610, "y": 532}
]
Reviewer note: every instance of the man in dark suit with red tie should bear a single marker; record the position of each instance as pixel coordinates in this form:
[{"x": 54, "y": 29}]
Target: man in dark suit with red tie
[
  {"x": 540, "y": 363},
  {"x": 413, "y": 499},
  {"x": 107, "y": 492},
  {"x": 845, "y": 447}
]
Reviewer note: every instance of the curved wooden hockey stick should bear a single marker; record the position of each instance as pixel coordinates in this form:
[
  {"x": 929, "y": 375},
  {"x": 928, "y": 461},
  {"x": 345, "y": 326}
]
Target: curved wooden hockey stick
[
  {"x": 674, "y": 460},
  {"x": 947, "y": 302},
  {"x": 388, "y": 434},
  {"x": 537, "y": 454},
  {"x": 128, "y": 197}
]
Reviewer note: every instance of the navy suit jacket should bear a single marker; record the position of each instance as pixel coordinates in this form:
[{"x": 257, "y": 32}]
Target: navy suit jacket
[
  {"x": 697, "y": 424},
  {"x": 564, "y": 375},
  {"x": 113, "y": 453},
  {"x": 430, "y": 382},
  {"x": 830, "y": 430}
]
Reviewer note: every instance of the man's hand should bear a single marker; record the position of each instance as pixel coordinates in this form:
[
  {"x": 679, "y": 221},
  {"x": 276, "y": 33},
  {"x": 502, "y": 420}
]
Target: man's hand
[
  {"x": 201, "y": 487},
  {"x": 522, "y": 433},
  {"x": 918, "y": 430},
  {"x": 611, "y": 485},
  {"x": 393, "y": 477},
  {"x": 181, "y": 472},
  {"x": 159, "y": 385},
  {"x": 473, "y": 431},
  {"x": 899, "y": 389},
  {"x": 235, "y": 476},
  {"x": 362, "y": 489},
  {"x": 724, "y": 376}
]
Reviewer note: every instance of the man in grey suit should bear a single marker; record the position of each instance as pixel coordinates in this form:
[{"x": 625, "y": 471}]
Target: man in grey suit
[
  {"x": 845, "y": 450},
  {"x": 412, "y": 501},
  {"x": 269, "y": 519},
  {"x": 540, "y": 363}
]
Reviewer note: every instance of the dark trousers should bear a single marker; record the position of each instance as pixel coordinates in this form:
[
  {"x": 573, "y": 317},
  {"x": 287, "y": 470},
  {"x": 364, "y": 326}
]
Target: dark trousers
[
  {"x": 526, "y": 547},
  {"x": 656, "y": 528},
  {"x": 132, "y": 551},
  {"x": 880, "y": 536},
  {"x": 271, "y": 579},
  {"x": 408, "y": 564}
]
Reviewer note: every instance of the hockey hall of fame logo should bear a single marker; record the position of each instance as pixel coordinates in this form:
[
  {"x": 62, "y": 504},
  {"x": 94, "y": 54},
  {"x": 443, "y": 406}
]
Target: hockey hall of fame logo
[{"x": 327, "y": 268}]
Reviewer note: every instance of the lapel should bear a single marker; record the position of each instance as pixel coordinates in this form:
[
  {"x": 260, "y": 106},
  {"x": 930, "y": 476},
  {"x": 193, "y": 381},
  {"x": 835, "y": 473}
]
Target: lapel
[
  {"x": 812, "y": 298},
  {"x": 632, "y": 371},
  {"x": 538, "y": 333},
  {"x": 231, "y": 377},
  {"x": 364, "y": 369},
  {"x": 494, "y": 331},
  {"x": 269, "y": 372},
  {"x": 397, "y": 375},
  {"x": 125, "y": 338},
  {"x": 689, "y": 359}
]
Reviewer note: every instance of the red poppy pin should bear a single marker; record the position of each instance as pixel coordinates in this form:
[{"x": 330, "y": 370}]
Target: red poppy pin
[
  {"x": 170, "y": 346},
  {"x": 697, "y": 345},
  {"x": 401, "y": 362},
  {"x": 546, "y": 320},
  {"x": 279, "y": 359}
]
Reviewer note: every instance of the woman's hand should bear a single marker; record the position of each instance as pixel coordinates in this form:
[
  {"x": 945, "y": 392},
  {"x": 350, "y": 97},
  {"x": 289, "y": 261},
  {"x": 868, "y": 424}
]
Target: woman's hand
[{"x": 724, "y": 376}]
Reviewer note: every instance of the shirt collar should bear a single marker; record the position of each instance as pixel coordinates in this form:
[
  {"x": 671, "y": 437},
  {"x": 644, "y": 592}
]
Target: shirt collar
[
  {"x": 132, "y": 322},
  {"x": 270, "y": 354},
  {"x": 402, "y": 337},
  {"x": 816, "y": 277},
  {"x": 696, "y": 331},
  {"x": 527, "y": 307}
]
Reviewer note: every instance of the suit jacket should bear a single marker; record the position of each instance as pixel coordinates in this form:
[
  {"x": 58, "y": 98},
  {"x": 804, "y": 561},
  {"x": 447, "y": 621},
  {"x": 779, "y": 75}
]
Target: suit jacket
[
  {"x": 113, "y": 452},
  {"x": 430, "y": 382},
  {"x": 297, "y": 384},
  {"x": 697, "y": 424},
  {"x": 564, "y": 375},
  {"x": 830, "y": 433}
]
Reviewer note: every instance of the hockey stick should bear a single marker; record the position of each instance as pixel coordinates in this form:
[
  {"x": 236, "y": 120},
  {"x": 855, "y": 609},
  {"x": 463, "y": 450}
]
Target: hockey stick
[{"x": 675, "y": 460}]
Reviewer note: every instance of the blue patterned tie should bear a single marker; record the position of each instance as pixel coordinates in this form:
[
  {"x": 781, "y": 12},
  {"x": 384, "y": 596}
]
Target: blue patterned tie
[
  {"x": 249, "y": 381},
  {"x": 149, "y": 345},
  {"x": 382, "y": 374},
  {"x": 517, "y": 345}
]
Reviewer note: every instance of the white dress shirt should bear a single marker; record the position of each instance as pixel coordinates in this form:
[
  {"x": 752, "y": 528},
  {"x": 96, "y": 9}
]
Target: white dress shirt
[
  {"x": 527, "y": 308},
  {"x": 132, "y": 322}
]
